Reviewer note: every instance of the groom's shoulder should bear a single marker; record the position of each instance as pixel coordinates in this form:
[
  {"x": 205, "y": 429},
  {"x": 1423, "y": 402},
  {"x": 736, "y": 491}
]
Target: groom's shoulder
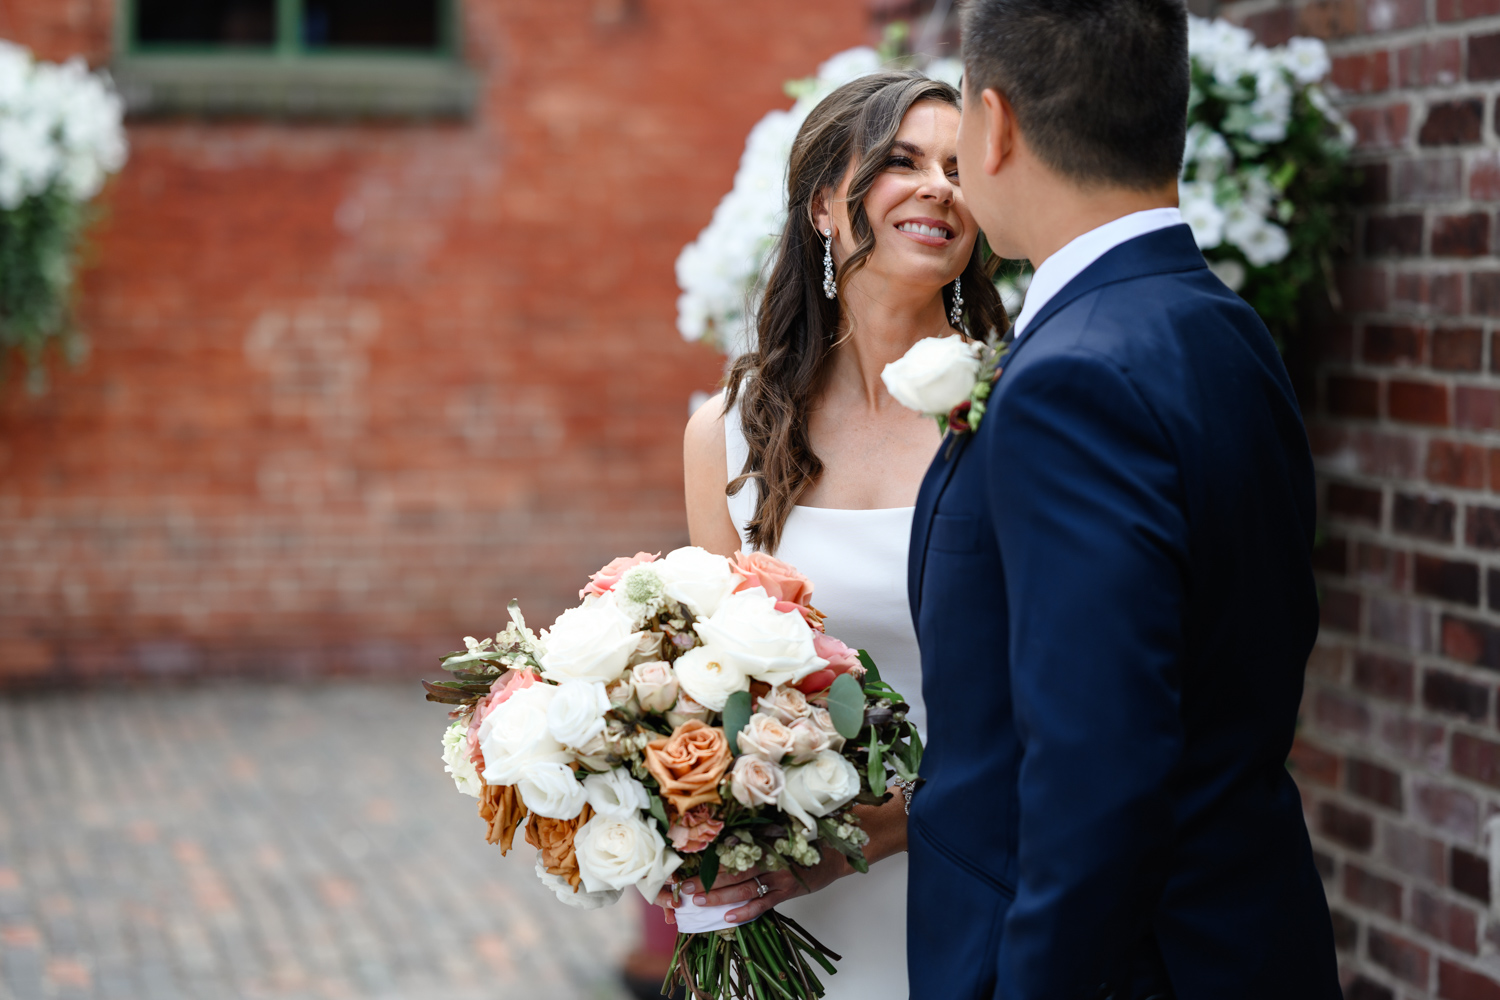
[{"x": 1158, "y": 319}]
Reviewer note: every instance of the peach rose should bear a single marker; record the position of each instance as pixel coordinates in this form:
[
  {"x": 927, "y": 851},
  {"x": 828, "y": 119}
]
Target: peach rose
[
  {"x": 841, "y": 660},
  {"x": 780, "y": 580},
  {"x": 501, "y": 807},
  {"x": 554, "y": 838},
  {"x": 694, "y": 829},
  {"x": 689, "y": 764},
  {"x": 505, "y": 685},
  {"x": 604, "y": 581}
]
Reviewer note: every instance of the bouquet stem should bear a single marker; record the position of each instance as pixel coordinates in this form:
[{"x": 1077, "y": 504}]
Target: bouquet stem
[{"x": 766, "y": 959}]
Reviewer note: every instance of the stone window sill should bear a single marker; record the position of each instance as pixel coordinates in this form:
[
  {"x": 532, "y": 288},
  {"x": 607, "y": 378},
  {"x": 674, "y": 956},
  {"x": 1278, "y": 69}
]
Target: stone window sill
[{"x": 323, "y": 87}]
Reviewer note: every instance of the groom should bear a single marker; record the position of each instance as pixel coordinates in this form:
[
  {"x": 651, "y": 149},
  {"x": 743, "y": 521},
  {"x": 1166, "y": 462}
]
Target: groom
[{"x": 1111, "y": 578}]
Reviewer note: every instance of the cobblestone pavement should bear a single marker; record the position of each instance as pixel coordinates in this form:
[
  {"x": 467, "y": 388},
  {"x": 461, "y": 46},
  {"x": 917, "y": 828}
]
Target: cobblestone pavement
[{"x": 269, "y": 843}]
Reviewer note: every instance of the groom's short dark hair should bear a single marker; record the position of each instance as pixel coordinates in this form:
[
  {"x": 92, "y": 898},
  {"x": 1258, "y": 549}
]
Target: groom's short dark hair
[{"x": 1099, "y": 87}]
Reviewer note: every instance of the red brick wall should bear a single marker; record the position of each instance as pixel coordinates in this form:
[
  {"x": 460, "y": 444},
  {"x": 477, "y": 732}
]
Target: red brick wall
[
  {"x": 1399, "y": 759},
  {"x": 353, "y": 387}
]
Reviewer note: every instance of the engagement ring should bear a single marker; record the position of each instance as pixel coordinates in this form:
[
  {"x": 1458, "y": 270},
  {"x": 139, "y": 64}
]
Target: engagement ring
[{"x": 761, "y": 888}]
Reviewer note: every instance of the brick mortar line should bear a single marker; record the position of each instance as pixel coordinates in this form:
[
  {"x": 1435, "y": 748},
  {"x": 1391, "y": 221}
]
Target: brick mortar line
[
  {"x": 1432, "y": 29},
  {"x": 1423, "y": 95},
  {"x": 1407, "y": 931},
  {"x": 1372, "y": 480}
]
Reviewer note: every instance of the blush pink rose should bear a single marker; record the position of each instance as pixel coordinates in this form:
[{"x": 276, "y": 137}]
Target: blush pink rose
[
  {"x": 694, "y": 830},
  {"x": 841, "y": 660},
  {"x": 604, "y": 581},
  {"x": 780, "y": 580},
  {"x": 500, "y": 693}
]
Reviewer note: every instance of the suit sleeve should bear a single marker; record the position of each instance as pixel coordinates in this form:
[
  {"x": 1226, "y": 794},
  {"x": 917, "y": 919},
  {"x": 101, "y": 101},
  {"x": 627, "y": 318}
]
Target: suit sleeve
[{"x": 1087, "y": 505}]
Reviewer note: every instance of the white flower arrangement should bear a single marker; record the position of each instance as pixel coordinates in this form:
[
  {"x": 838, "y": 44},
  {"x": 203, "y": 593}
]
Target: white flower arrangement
[
  {"x": 59, "y": 125},
  {"x": 61, "y": 136},
  {"x": 1245, "y": 102}
]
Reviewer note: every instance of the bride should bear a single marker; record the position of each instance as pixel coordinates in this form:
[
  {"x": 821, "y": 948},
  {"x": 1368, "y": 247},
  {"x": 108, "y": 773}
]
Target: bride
[{"x": 822, "y": 466}]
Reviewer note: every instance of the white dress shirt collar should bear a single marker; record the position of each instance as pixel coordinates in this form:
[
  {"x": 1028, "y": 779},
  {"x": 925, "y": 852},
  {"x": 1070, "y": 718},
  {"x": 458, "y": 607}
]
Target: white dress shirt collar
[{"x": 1069, "y": 262}]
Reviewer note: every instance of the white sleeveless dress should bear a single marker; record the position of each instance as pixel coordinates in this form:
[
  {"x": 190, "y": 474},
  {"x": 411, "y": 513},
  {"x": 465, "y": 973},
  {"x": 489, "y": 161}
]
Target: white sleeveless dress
[{"x": 856, "y": 560}]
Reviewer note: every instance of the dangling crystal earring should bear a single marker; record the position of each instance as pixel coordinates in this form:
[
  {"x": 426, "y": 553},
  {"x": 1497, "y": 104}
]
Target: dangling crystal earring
[
  {"x": 956, "y": 314},
  {"x": 829, "y": 288}
]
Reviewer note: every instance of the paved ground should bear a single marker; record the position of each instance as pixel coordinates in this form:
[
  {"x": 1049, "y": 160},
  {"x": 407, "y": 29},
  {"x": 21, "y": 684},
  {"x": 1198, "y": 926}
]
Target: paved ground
[{"x": 269, "y": 843}]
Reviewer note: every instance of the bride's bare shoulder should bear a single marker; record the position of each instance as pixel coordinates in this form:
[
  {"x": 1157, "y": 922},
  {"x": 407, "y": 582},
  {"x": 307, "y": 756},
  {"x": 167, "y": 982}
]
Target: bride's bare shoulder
[{"x": 703, "y": 450}]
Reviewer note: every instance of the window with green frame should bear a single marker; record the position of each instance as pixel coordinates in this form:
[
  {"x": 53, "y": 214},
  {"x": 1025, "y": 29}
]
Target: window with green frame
[{"x": 341, "y": 58}]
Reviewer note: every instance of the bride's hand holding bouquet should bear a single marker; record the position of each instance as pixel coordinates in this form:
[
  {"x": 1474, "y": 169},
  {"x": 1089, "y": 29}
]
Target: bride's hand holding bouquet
[{"x": 690, "y": 721}]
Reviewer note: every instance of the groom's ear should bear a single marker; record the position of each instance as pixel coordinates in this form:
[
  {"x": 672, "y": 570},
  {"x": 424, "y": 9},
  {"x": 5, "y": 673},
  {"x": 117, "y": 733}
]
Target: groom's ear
[{"x": 999, "y": 130}]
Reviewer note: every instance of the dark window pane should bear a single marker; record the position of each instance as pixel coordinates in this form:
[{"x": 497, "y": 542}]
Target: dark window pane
[
  {"x": 206, "y": 22},
  {"x": 375, "y": 24}
]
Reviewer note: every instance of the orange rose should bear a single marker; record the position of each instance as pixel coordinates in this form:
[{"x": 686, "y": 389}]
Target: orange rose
[
  {"x": 554, "y": 838},
  {"x": 501, "y": 807},
  {"x": 780, "y": 580},
  {"x": 689, "y": 764}
]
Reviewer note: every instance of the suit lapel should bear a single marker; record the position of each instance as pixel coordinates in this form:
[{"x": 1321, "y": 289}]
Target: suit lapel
[{"x": 933, "y": 485}]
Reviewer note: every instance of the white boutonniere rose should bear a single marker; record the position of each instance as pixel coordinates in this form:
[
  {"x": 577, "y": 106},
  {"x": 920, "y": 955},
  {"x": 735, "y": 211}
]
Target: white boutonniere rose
[
  {"x": 935, "y": 375},
  {"x": 947, "y": 378}
]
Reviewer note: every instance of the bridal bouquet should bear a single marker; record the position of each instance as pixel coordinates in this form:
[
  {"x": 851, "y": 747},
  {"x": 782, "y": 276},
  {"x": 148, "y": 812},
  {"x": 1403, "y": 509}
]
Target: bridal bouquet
[{"x": 690, "y": 717}]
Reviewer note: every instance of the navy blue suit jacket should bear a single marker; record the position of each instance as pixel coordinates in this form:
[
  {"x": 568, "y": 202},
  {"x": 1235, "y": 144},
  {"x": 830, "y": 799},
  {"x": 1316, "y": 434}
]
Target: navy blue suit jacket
[{"x": 1112, "y": 586}]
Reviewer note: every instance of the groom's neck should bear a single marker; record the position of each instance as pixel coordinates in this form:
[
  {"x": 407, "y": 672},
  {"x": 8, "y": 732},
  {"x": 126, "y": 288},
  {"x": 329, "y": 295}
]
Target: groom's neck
[{"x": 1060, "y": 211}]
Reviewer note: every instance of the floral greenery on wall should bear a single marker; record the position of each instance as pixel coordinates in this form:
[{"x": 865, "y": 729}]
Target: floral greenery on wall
[
  {"x": 1265, "y": 180},
  {"x": 1265, "y": 184},
  {"x": 61, "y": 136}
]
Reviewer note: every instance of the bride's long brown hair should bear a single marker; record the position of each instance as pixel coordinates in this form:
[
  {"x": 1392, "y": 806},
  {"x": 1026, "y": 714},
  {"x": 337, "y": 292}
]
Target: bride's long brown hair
[{"x": 797, "y": 325}]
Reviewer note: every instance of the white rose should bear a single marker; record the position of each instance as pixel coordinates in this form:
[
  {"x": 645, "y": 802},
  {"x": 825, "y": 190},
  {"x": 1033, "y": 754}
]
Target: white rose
[
  {"x": 615, "y": 853},
  {"x": 817, "y": 788},
  {"x": 697, "y": 579},
  {"x": 763, "y": 643},
  {"x": 551, "y": 790},
  {"x": 807, "y": 740},
  {"x": 456, "y": 759},
  {"x": 576, "y": 714},
  {"x": 934, "y": 376},
  {"x": 786, "y": 704},
  {"x": 574, "y": 897},
  {"x": 615, "y": 793},
  {"x": 756, "y": 782},
  {"x": 824, "y": 722},
  {"x": 709, "y": 677},
  {"x": 766, "y": 737},
  {"x": 516, "y": 734},
  {"x": 655, "y": 686},
  {"x": 686, "y": 710},
  {"x": 591, "y": 642}
]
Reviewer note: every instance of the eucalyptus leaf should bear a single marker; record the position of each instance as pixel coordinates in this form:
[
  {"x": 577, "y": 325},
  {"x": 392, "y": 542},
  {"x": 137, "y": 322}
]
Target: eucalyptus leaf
[
  {"x": 846, "y": 706},
  {"x": 708, "y": 866},
  {"x": 736, "y": 717}
]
